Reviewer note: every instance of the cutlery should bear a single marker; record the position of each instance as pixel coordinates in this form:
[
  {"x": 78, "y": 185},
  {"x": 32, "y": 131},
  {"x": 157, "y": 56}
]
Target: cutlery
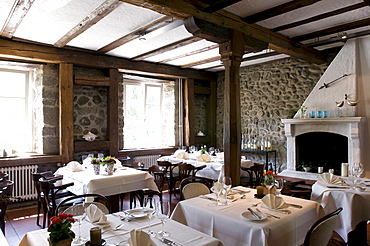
[
  {"x": 209, "y": 198},
  {"x": 242, "y": 197},
  {"x": 294, "y": 205},
  {"x": 255, "y": 205},
  {"x": 168, "y": 242},
  {"x": 337, "y": 187},
  {"x": 268, "y": 214},
  {"x": 254, "y": 214},
  {"x": 115, "y": 228}
]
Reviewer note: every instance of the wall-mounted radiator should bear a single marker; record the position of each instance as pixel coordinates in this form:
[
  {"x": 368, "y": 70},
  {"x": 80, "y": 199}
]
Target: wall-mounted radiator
[
  {"x": 22, "y": 178},
  {"x": 148, "y": 160}
]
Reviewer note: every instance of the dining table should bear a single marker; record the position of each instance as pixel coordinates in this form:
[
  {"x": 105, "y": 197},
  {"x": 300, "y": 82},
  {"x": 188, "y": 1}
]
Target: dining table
[
  {"x": 123, "y": 180},
  {"x": 179, "y": 233},
  {"x": 233, "y": 224},
  {"x": 355, "y": 204}
]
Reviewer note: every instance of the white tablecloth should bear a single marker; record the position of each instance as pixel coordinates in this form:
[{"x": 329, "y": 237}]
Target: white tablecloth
[
  {"x": 227, "y": 224},
  {"x": 355, "y": 205},
  {"x": 122, "y": 181},
  {"x": 179, "y": 233}
]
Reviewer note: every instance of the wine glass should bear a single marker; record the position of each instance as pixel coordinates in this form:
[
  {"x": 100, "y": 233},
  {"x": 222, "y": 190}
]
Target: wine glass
[
  {"x": 163, "y": 214},
  {"x": 217, "y": 189},
  {"x": 226, "y": 183},
  {"x": 79, "y": 214},
  {"x": 269, "y": 182},
  {"x": 211, "y": 150},
  {"x": 149, "y": 211},
  {"x": 192, "y": 149},
  {"x": 279, "y": 184}
]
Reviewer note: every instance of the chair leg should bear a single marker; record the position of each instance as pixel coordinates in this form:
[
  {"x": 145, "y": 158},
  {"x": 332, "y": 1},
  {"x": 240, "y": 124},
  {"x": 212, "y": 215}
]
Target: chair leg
[{"x": 38, "y": 212}]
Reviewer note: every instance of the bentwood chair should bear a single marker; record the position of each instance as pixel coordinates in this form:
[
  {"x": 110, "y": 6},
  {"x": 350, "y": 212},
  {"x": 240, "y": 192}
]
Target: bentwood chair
[
  {"x": 321, "y": 231},
  {"x": 255, "y": 174},
  {"x": 6, "y": 190},
  {"x": 170, "y": 176},
  {"x": 82, "y": 202}
]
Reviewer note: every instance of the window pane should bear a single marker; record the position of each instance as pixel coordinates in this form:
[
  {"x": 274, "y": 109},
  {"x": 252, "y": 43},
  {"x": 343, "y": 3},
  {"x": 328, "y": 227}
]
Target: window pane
[
  {"x": 12, "y": 84},
  {"x": 153, "y": 95}
]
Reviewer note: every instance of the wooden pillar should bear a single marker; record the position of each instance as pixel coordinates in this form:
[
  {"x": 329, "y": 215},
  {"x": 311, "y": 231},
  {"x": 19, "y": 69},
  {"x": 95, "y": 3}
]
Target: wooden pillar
[
  {"x": 113, "y": 111},
  {"x": 66, "y": 138},
  {"x": 231, "y": 56}
]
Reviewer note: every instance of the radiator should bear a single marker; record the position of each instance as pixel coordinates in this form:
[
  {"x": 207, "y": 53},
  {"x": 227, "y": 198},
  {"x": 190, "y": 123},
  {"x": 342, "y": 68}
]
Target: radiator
[
  {"x": 148, "y": 160},
  {"x": 24, "y": 188}
]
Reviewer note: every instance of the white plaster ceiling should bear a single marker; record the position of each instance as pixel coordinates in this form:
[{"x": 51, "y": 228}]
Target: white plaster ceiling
[{"x": 48, "y": 21}]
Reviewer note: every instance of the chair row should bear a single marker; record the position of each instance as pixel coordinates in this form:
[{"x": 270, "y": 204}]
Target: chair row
[{"x": 6, "y": 190}]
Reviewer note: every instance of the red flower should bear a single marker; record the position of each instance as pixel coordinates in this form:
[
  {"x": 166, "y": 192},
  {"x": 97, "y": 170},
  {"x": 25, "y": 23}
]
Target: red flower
[{"x": 60, "y": 227}]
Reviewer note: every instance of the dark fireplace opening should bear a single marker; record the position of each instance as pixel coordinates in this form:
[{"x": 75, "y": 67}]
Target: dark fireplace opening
[{"x": 321, "y": 149}]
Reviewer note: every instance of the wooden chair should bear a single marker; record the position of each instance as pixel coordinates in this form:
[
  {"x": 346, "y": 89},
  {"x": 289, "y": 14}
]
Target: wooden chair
[
  {"x": 6, "y": 190},
  {"x": 255, "y": 173},
  {"x": 158, "y": 174},
  {"x": 188, "y": 170},
  {"x": 68, "y": 205},
  {"x": 321, "y": 231},
  {"x": 170, "y": 177},
  {"x": 52, "y": 195},
  {"x": 4, "y": 177}
]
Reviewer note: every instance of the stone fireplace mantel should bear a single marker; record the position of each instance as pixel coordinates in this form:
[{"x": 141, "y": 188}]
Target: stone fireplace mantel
[{"x": 346, "y": 126}]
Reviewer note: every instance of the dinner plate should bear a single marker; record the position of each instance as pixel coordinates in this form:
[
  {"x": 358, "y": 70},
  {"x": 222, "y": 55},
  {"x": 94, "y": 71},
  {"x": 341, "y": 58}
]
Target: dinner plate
[
  {"x": 247, "y": 215},
  {"x": 138, "y": 212}
]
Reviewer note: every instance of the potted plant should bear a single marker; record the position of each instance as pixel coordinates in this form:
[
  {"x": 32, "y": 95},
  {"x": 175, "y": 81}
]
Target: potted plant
[
  {"x": 109, "y": 161},
  {"x": 60, "y": 230},
  {"x": 96, "y": 165}
]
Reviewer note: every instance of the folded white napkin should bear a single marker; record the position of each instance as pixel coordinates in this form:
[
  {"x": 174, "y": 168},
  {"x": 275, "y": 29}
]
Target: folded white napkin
[
  {"x": 96, "y": 216},
  {"x": 329, "y": 178},
  {"x": 75, "y": 166},
  {"x": 204, "y": 157},
  {"x": 118, "y": 163},
  {"x": 140, "y": 238},
  {"x": 274, "y": 202},
  {"x": 183, "y": 155},
  {"x": 217, "y": 187},
  {"x": 86, "y": 162},
  {"x": 220, "y": 155},
  {"x": 177, "y": 152}
]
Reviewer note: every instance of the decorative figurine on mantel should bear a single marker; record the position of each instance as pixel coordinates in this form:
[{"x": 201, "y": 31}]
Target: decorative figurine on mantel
[{"x": 89, "y": 137}]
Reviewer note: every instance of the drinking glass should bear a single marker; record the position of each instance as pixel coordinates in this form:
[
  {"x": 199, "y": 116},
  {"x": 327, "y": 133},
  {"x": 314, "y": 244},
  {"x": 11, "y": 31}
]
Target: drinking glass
[
  {"x": 279, "y": 184},
  {"x": 79, "y": 214},
  {"x": 269, "y": 182},
  {"x": 149, "y": 211},
  {"x": 226, "y": 183},
  {"x": 163, "y": 216},
  {"x": 192, "y": 149},
  {"x": 211, "y": 150},
  {"x": 217, "y": 189}
]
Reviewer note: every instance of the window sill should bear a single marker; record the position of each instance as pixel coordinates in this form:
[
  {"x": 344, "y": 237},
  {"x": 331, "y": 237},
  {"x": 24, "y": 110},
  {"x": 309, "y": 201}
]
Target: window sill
[{"x": 29, "y": 159}]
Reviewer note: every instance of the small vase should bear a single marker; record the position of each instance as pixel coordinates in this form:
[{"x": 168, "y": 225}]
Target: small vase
[
  {"x": 64, "y": 242},
  {"x": 110, "y": 169},
  {"x": 96, "y": 169}
]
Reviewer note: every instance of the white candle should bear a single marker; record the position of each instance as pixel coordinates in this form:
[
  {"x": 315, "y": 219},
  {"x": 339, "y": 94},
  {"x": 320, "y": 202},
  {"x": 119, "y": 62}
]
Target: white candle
[
  {"x": 344, "y": 170},
  {"x": 320, "y": 169}
]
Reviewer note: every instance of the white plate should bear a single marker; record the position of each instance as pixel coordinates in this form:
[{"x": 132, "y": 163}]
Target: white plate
[
  {"x": 249, "y": 216},
  {"x": 138, "y": 212}
]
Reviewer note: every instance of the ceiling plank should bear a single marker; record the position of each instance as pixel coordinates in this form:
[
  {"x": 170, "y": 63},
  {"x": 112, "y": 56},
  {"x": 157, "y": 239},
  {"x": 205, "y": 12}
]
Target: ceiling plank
[
  {"x": 367, "y": 2},
  {"x": 167, "y": 48},
  {"x": 15, "y": 17},
  {"x": 205, "y": 61},
  {"x": 94, "y": 17},
  {"x": 335, "y": 29},
  {"x": 205, "y": 49},
  {"x": 152, "y": 26},
  {"x": 277, "y": 42},
  {"x": 19, "y": 51},
  {"x": 320, "y": 17},
  {"x": 219, "y": 5},
  {"x": 278, "y": 10}
]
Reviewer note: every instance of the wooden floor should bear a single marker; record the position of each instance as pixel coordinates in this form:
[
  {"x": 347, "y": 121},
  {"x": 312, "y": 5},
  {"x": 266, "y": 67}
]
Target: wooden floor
[{"x": 20, "y": 221}]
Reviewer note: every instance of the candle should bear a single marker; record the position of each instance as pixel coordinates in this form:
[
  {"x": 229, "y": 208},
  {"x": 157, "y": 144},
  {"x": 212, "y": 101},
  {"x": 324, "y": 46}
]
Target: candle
[
  {"x": 260, "y": 191},
  {"x": 344, "y": 170},
  {"x": 320, "y": 169},
  {"x": 95, "y": 236}
]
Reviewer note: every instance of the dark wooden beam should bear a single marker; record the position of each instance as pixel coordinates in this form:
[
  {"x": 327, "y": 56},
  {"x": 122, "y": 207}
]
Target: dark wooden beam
[
  {"x": 12, "y": 50},
  {"x": 320, "y": 17},
  {"x": 205, "y": 49},
  {"x": 112, "y": 124},
  {"x": 15, "y": 17},
  {"x": 205, "y": 61},
  {"x": 278, "y": 10},
  {"x": 94, "y": 17},
  {"x": 91, "y": 80},
  {"x": 277, "y": 42},
  {"x": 219, "y": 5},
  {"x": 335, "y": 29},
  {"x": 151, "y": 27},
  {"x": 367, "y": 2},
  {"x": 167, "y": 48}
]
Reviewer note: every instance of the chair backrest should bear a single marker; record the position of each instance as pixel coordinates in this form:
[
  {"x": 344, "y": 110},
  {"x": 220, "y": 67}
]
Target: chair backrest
[
  {"x": 321, "y": 231},
  {"x": 194, "y": 190},
  {"x": 137, "y": 165},
  {"x": 36, "y": 177},
  {"x": 3, "y": 177},
  {"x": 6, "y": 188},
  {"x": 158, "y": 174},
  {"x": 186, "y": 170},
  {"x": 82, "y": 202},
  {"x": 190, "y": 180},
  {"x": 255, "y": 174}
]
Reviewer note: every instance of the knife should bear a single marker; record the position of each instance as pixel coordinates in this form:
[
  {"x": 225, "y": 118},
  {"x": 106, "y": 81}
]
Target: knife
[
  {"x": 337, "y": 187},
  {"x": 169, "y": 242},
  {"x": 254, "y": 214},
  {"x": 294, "y": 205},
  {"x": 209, "y": 198}
]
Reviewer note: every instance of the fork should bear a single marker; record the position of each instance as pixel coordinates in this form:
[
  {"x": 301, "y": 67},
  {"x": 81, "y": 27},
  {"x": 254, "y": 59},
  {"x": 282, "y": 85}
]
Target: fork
[{"x": 269, "y": 215}]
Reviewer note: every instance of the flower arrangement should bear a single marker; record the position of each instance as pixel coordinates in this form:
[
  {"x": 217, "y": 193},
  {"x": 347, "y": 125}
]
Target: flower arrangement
[
  {"x": 269, "y": 177},
  {"x": 60, "y": 228},
  {"x": 303, "y": 111},
  {"x": 103, "y": 161}
]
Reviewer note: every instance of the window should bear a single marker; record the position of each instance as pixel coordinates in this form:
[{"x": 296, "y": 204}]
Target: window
[
  {"x": 149, "y": 114},
  {"x": 15, "y": 126}
]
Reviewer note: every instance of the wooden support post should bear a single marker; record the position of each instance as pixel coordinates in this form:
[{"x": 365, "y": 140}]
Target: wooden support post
[
  {"x": 66, "y": 142},
  {"x": 231, "y": 56},
  {"x": 112, "y": 111}
]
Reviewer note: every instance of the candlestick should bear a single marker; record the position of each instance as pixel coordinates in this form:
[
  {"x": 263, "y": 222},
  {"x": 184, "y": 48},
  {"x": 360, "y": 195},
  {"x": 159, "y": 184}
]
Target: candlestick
[
  {"x": 95, "y": 236},
  {"x": 320, "y": 169},
  {"x": 260, "y": 191}
]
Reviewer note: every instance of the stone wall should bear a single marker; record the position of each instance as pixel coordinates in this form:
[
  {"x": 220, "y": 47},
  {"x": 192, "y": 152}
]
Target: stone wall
[{"x": 270, "y": 92}]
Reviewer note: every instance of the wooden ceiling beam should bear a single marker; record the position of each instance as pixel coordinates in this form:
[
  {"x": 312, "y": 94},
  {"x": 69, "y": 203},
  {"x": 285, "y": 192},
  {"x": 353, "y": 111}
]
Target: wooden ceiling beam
[
  {"x": 205, "y": 49},
  {"x": 277, "y": 42},
  {"x": 219, "y": 5},
  {"x": 205, "y": 61},
  {"x": 15, "y": 17},
  {"x": 278, "y": 10},
  {"x": 320, "y": 17},
  {"x": 94, "y": 17},
  {"x": 13, "y": 50},
  {"x": 151, "y": 27},
  {"x": 167, "y": 48},
  {"x": 367, "y": 2},
  {"x": 335, "y": 29}
]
